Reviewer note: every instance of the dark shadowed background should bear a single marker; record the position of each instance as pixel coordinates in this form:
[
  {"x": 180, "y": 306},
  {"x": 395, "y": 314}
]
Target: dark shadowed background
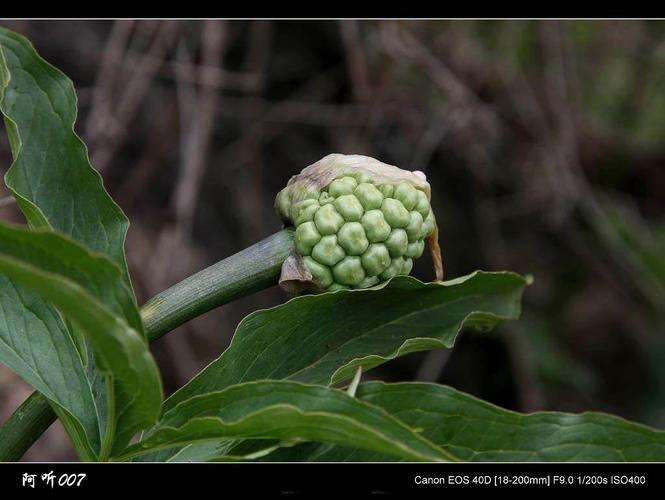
[{"x": 544, "y": 143}]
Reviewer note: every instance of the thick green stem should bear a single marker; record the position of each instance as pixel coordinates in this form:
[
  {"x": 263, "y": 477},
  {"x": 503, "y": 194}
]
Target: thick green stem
[
  {"x": 27, "y": 423},
  {"x": 248, "y": 271}
]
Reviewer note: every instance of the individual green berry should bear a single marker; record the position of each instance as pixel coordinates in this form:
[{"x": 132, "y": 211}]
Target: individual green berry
[
  {"x": 407, "y": 265},
  {"x": 387, "y": 190},
  {"x": 328, "y": 220},
  {"x": 376, "y": 259},
  {"x": 342, "y": 186},
  {"x": 369, "y": 196},
  {"x": 283, "y": 202},
  {"x": 375, "y": 225},
  {"x": 361, "y": 177},
  {"x": 351, "y": 237},
  {"x": 325, "y": 198},
  {"x": 368, "y": 282},
  {"x": 327, "y": 251},
  {"x": 415, "y": 228},
  {"x": 407, "y": 194},
  {"x": 349, "y": 207},
  {"x": 428, "y": 225},
  {"x": 422, "y": 205},
  {"x": 321, "y": 274},
  {"x": 393, "y": 269},
  {"x": 306, "y": 237},
  {"x": 395, "y": 213},
  {"x": 304, "y": 211},
  {"x": 397, "y": 242},
  {"x": 349, "y": 271},
  {"x": 415, "y": 249},
  {"x": 336, "y": 286}
]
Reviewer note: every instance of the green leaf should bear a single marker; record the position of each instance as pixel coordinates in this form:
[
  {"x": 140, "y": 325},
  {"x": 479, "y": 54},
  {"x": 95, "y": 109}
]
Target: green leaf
[
  {"x": 323, "y": 338},
  {"x": 199, "y": 452},
  {"x": 286, "y": 411},
  {"x": 56, "y": 187},
  {"x": 474, "y": 430},
  {"x": 51, "y": 177},
  {"x": 58, "y": 254},
  {"x": 59, "y": 270},
  {"x": 36, "y": 345}
]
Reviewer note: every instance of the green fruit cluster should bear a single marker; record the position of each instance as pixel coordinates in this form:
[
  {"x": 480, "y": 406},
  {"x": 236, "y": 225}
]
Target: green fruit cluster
[{"x": 355, "y": 234}]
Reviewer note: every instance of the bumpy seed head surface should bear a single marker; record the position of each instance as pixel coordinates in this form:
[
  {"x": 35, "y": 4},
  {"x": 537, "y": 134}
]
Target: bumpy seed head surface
[
  {"x": 320, "y": 272},
  {"x": 306, "y": 237},
  {"x": 327, "y": 251},
  {"x": 375, "y": 226},
  {"x": 304, "y": 211},
  {"x": 397, "y": 242},
  {"x": 328, "y": 220},
  {"x": 352, "y": 239},
  {"x": 415, "y": 227},
  {"x": 395, "y": 212},
  {"x": 357, "y": 234},
  {"x": 394, "y": 269},
  {"x": 415, "y": 249},
  {"x": 349, "y": 207},
  {"x": 376, "y": 259},
  {"x": 349, "y": 271},
  {"x": 369, "y": 196},
  {"x": 406, "y": 194},
  {"x": 342, "y": 186}
]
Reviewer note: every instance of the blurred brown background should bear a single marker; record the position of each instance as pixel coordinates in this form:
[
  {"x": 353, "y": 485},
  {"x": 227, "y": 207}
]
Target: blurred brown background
[{"x": 544, "y": 143}]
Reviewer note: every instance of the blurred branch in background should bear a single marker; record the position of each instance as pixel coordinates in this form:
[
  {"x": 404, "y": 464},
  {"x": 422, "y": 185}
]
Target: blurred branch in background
[
  {"x": 197, "y": 109},
  {"x": 124, "y": 78},
  {"x": 542, "y": 141}
]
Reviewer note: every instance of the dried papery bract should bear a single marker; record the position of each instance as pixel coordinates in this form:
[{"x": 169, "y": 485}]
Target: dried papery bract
[{"x": 358, "y": 222}]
